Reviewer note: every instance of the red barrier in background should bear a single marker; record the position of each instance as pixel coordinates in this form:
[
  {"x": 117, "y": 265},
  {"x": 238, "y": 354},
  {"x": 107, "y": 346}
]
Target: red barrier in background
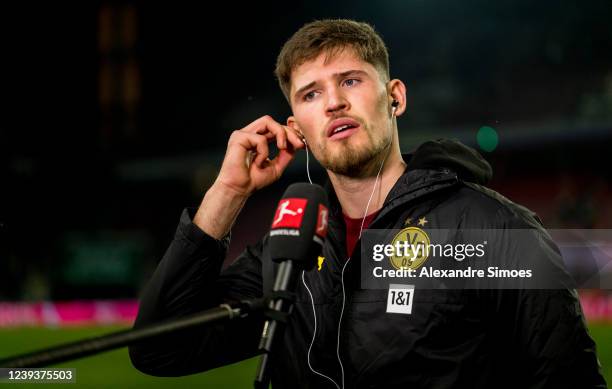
[
  {"x": 597, "y": 307},
  {"x": 68, "y": 313}
]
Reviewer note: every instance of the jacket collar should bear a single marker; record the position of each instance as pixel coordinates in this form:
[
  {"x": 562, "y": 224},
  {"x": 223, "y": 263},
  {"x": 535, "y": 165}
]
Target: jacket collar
[
  {"x": 411, "y": 184},
  {"x": 431, "y": 166}
]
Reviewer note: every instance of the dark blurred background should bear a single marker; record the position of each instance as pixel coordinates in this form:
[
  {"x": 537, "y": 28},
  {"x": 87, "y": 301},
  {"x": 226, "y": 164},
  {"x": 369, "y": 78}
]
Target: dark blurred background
[{"x": 115, "y": 117}]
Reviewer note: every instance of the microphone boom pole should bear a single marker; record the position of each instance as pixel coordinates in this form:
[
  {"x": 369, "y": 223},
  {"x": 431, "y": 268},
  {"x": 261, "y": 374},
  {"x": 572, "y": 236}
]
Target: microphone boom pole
[{"x": 95, "y": 345}]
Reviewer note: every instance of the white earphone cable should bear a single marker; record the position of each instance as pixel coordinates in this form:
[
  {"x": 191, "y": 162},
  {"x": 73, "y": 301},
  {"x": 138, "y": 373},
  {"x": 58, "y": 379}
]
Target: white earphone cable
[
  {"x": 314, "y": 334},
  {"x": 307, "y": 162},
  {"x": 365, "y": 214},
  {"x": 314, "y": 313}
]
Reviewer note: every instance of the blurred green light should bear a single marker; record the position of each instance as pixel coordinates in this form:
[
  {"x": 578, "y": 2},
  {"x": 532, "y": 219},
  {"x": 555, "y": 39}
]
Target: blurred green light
[{"x": 487, "y": 138}]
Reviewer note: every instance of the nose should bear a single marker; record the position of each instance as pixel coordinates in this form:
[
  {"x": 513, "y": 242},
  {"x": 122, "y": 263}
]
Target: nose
[{"x": 336, "y": 102}]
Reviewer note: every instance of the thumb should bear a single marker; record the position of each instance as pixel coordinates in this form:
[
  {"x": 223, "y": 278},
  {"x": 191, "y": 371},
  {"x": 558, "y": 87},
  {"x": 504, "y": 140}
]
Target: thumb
[{"x": 282, "y": 160}]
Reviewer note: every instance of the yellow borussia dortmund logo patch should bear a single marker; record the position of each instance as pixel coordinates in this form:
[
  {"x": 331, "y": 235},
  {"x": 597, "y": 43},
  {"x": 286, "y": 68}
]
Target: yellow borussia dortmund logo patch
[{"x": 413, "y": 245}]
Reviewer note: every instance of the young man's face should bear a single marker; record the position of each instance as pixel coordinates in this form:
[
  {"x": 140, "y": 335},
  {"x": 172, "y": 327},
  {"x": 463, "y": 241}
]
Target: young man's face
[{"x": 343, "y": 91}]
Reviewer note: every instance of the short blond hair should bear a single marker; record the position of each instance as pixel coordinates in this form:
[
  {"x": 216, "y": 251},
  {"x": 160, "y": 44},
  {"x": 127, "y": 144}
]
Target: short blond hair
[{"x": 330, "y": 36}]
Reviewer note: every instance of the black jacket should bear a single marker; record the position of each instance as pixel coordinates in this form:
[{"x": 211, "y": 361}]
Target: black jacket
[{"x": 452, "y": 339}]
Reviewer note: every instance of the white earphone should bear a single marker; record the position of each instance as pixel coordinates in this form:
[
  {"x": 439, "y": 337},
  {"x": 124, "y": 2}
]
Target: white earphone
[{"x": 394, "y": 106}]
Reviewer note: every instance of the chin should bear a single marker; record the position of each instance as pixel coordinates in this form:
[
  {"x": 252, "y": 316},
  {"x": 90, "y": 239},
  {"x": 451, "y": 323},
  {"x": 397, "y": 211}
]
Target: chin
[{"x": 351, "y": 162}]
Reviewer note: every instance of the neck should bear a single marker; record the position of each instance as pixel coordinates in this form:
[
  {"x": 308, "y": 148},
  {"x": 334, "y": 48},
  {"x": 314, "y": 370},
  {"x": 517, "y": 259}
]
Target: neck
[{"x": 353, "y": 193}]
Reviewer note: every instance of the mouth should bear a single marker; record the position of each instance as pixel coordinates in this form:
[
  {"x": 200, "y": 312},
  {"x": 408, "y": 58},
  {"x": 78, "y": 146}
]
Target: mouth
[{"x": 342, "y": 128}]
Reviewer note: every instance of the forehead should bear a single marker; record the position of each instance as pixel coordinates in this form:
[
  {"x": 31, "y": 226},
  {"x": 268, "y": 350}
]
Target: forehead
[{"x": 325, "y": 66}]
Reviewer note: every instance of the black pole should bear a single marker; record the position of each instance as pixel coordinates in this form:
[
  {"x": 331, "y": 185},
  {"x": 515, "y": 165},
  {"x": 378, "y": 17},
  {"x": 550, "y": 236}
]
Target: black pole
[
  {"x": 281, "y": 303},
  {"x": 86, "y": 347}
]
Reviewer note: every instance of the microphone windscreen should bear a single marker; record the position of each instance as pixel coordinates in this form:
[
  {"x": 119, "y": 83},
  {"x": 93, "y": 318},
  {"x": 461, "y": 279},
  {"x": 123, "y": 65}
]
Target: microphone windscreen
[{"x": 299, "y": 226}]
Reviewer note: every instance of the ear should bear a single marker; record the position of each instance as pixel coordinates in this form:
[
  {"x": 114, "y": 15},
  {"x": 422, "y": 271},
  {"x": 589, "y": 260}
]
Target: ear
[
  {"x": 396, "y": 90},
  {"x": 291, "y": 123}
]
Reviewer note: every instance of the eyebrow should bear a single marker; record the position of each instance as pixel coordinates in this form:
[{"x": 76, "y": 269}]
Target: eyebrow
[{"x": 336, "y": 75}]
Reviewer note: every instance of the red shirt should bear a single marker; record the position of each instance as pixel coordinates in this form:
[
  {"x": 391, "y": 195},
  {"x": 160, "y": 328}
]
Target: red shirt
[{"x": 352, "y": 230}]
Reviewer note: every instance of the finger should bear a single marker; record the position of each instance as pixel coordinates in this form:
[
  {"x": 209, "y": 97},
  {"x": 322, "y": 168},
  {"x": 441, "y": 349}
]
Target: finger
[
  {"x": 261, "y": 145},
  {"x": 294, "y": 138},
  {"x": 267, "y": 126},
  {"x": 282, "y": 160},
  {"x": 269, "y": 136},
  {"x": 255, "y": 143},
  {"x": 278, "y": 130}
]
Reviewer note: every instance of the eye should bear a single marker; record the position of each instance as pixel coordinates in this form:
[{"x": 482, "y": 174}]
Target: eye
[
  {"x": 351, "y": 82},
  {"x": 309, "y": 96}
]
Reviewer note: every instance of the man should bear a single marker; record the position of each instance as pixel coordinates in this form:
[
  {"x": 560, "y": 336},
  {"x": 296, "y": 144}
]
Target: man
[{"x": 335, "y": 76}]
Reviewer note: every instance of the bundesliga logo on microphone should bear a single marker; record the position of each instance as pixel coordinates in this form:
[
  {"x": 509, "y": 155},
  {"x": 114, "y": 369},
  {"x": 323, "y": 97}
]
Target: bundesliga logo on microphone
[
  {"x": 289, "y": 216},
  {"x": 289, "y": 213},
  {"x": 321, "y": 229}
]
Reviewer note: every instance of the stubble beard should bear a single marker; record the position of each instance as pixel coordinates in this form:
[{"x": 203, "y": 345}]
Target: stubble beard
[{"x": 355, "y": 161}]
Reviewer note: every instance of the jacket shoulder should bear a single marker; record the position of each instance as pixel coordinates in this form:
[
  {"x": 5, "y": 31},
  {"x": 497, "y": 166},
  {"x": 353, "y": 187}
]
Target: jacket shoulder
[{"x": 482, "y": 207}]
